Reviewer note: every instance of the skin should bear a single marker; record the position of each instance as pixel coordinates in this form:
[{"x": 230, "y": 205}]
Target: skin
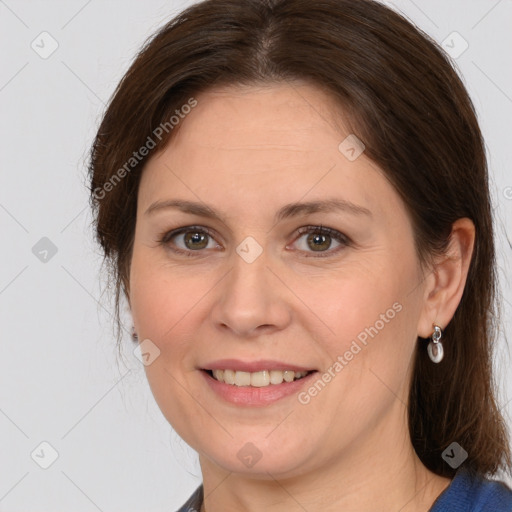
[{"x": 246, "y": 152}]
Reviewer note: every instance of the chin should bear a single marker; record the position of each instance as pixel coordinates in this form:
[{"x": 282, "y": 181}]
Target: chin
[{"x": 260, "y": 458}]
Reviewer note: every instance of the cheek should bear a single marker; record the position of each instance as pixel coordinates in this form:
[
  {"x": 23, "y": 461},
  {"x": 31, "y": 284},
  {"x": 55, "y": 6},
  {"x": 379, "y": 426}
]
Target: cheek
[
  {"x": 162, "y": 308},
  {"x": 161, "y": 296},
  {"x": 159, "y": 305},
  {"x": 368, "y": 318},
  {"x": 360, "y": 298}
]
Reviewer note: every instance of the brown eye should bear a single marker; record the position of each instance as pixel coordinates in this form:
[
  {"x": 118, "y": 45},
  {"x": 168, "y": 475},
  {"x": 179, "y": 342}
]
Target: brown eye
[
  {"x": 188, "y": 239},
  {"x": 195, "y": 240},
  {"x": 320, "y": 239}
]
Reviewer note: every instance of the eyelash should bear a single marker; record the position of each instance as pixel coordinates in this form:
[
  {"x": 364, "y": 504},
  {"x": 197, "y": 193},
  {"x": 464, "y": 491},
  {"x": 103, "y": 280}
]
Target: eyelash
[{"x": 344, "y": 240}]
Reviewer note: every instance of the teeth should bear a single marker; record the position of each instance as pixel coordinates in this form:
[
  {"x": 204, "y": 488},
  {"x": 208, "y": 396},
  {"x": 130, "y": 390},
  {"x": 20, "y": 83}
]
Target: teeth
[
  {"x": 276, "y": 377},
  {"x": 242, "y": 379},
  {"x": 257, "y": 379},
  {"x": 219, "y": 374},
  {"x": 288, "y": 376},
  {"x": 229, "y": 377},
  {"x": 260, "y": 379}
]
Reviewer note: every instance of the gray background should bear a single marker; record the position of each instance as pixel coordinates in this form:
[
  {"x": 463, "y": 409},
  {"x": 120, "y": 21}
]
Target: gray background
[{"x": 61, "y": 381}]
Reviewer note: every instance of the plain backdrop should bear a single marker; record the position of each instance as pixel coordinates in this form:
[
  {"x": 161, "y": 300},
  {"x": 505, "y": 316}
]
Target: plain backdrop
[{"x": 105, "y": 442}]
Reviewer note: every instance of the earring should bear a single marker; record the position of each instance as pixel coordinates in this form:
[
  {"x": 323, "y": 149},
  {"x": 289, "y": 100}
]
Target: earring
[
  {"x": 435, "y": 347},
  {"x": 134, "y": 334}
]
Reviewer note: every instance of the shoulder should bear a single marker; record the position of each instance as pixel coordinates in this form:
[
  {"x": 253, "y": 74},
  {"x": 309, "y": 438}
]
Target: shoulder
[
  {"x": 471, "y": 492},
  {"x": 193, "y": 504}
]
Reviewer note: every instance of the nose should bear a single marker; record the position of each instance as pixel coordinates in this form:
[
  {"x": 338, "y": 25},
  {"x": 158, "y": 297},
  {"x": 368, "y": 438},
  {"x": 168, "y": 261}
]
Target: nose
[{"x": 251, "y": 300}]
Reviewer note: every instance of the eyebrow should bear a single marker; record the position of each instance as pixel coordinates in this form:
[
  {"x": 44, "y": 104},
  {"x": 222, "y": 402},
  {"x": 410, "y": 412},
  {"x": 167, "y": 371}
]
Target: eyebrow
[{"x": 286, "y": 212}]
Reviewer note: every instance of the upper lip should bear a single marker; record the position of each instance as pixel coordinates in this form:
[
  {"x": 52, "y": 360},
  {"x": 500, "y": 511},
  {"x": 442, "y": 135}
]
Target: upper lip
[{"x": 254, "y": 366}]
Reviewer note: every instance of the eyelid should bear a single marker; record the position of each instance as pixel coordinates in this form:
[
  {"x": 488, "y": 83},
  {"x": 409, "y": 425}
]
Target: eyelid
[
  {"x": 165, "y": 238},
  {"x": 167, "y": 235},
  {"x": 340, "y": 237}
]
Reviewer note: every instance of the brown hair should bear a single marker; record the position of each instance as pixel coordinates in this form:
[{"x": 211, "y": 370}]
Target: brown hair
[{"x": 407, "y": 104}]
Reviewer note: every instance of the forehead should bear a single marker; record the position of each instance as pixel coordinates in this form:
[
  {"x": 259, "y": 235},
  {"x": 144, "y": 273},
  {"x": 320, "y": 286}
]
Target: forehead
[
  {"x": 278, "y": 116},
  {"x": 261, "y": 145}
]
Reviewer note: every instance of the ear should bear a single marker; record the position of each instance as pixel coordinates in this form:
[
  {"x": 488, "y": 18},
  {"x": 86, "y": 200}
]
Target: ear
[{"x": 445, "y": 282}]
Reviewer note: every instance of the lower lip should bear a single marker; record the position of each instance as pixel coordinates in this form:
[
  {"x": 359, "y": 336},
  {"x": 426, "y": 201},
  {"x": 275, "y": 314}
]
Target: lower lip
[{"x": 254, "y": 396}]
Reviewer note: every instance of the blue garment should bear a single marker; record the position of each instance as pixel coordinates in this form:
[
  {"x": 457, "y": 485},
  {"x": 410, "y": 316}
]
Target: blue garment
[
  {"x": 473, "y": 493},
  {"x": 466, "y": 493}
]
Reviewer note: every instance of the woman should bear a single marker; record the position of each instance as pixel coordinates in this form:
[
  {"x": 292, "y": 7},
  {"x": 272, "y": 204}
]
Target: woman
[{"x": 293, "y": 198}]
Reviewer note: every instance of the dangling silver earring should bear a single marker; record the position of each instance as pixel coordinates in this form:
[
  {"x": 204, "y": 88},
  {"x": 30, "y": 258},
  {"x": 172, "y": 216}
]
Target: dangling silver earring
[
  {"x": 134, "y": 334},
  {"x": 435, "y": 347}
]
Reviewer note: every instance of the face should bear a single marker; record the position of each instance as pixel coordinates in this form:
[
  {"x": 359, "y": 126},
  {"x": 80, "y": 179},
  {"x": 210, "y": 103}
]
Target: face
[{"x": 276, "y": 279}]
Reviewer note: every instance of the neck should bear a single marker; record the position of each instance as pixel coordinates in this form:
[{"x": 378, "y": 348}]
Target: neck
[
  {"x": 384, "y": 471},
  {"x": 412, "y": 489}
]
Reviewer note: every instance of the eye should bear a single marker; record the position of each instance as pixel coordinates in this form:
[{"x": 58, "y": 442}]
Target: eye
[
  {"x": 188, "y": 239},
  {"x": 319, "y": 239},
  {"x": 193, "y": 239}
]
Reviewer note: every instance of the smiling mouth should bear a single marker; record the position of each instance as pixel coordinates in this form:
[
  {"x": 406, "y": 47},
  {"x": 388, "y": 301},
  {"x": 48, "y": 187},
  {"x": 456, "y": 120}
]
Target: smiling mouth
[{"x": 256, "y": 379}]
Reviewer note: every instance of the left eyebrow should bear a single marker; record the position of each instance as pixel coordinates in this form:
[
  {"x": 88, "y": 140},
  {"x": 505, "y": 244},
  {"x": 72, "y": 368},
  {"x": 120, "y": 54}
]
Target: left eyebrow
[
  {"x": 324, "y": 206},
  {"x": 286, "y": 212}
]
